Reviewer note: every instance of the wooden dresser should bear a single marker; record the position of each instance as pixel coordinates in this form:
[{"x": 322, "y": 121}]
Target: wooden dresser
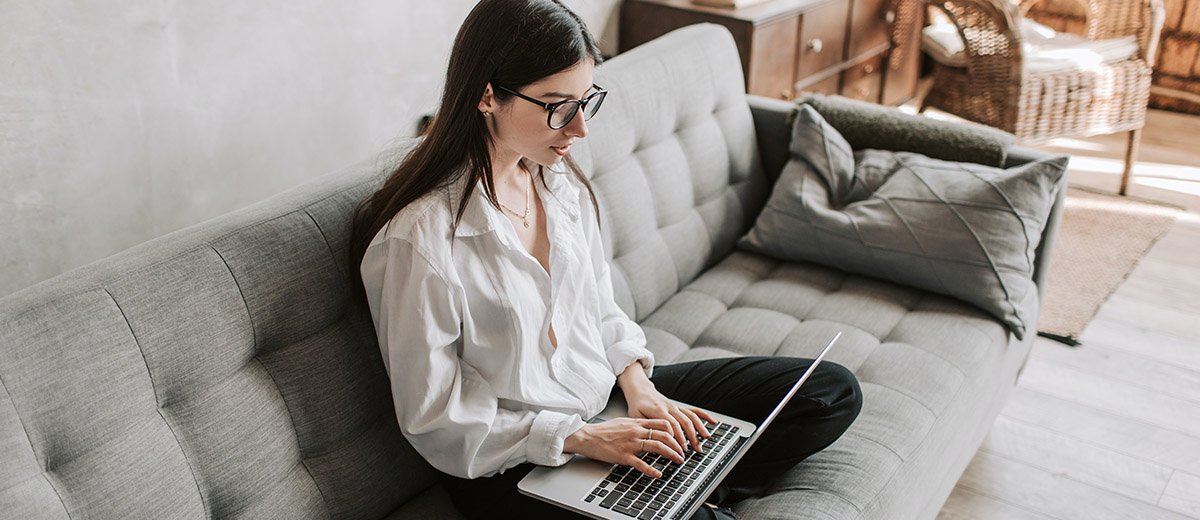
[{"x": 794, "y": 46}]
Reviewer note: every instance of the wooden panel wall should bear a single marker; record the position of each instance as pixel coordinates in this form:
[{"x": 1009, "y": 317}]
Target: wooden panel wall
[{"x": 1178, "y": 67}]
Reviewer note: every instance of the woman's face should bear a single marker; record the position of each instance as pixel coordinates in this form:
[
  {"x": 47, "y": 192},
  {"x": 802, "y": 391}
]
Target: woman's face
[{"x": 519, "y": 127}]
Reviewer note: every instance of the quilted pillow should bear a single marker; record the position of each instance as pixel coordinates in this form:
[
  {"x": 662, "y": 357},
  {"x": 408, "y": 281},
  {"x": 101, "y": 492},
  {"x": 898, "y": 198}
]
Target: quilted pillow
[{"x": 961, "y": 229}]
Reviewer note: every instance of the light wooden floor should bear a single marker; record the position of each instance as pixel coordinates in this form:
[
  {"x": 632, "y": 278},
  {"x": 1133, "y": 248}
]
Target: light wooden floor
[{"x": 1111, "y": 429}]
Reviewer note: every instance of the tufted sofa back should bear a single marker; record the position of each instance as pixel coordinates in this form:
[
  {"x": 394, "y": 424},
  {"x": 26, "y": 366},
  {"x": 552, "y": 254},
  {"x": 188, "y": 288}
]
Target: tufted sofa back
[
  {"x": 221, "y": 371},
  {"x": 674, "y": 162},
  {"x": 214, "y": 372}
]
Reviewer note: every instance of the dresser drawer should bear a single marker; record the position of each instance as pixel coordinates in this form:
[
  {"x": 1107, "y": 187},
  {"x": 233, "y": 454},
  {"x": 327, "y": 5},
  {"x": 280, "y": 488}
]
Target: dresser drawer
[
  {"x": 772, "y": 56},
  {"x": 870, "y": 27},
  {"x": 788, "y": 47},
  {"x": 822, "y": 38},
  {"x": 827, "y": 86},
  {"x": 865, "y": 80}
]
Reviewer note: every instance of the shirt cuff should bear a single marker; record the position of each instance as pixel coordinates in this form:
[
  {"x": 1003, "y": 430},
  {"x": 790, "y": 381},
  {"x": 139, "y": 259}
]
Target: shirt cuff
[
  {"x": 621, "y": 355},
  {"x": 547, "y": 436}
]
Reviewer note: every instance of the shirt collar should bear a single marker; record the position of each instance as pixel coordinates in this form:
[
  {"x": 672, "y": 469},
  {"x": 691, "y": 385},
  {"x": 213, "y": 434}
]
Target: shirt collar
[{"x": 480, "y": 217}]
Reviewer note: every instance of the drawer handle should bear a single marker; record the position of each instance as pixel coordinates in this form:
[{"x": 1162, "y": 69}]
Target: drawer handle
[
  {"x": 786, "y": 94},
  {"x": 868, "y": 68},
  {"x": 816, "y": 45},
  {"x": 890, "y": 16}
]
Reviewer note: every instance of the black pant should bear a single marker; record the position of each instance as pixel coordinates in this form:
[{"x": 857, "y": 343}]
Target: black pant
[{"x": 744, "y": 387}]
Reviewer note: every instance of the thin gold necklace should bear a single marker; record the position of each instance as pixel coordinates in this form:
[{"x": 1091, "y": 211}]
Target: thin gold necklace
[{"x": 524, "y": 216}]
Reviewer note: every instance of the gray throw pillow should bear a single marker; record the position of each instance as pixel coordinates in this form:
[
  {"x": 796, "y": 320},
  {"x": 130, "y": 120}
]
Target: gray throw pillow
[{"x": 960, "y": 229}]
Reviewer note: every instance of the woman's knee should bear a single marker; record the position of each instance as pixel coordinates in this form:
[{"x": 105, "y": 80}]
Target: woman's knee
[
  {"x": 843, "y": 392},
  {"x": 844, "y": 381}
]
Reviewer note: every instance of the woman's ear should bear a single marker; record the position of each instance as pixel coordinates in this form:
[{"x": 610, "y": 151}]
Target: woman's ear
[{"x": 487, "y": 103}]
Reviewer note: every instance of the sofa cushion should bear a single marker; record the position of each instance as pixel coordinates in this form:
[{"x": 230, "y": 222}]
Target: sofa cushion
[
  {"x": 959, "y": 229},
  {"x": 915, "y": 354}
]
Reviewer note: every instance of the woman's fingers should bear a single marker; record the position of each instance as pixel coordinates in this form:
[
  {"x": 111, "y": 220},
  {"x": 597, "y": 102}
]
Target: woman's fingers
[
  {"x": 689, "y": 428},
  {"x": 664, "y": 412},
  {"x": 641, "y": 466},
  {"x": 665, "y": 449},
  {"x": 698, "y": 422},
  {"x": 678, "y": 431},
  {"x": 668, "y": 440},
  {"x": 657, "y": 424},
  {"x": 704, "y": 415},
  {"x": 662, "y": 437}
]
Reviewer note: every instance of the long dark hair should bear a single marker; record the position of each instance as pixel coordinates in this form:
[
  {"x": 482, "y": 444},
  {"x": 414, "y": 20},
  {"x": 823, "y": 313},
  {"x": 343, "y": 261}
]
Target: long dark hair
[{"x": 509, "y": 42}]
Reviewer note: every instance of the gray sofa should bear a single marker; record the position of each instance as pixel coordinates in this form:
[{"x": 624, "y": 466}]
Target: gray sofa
[{"x": 221, "y": 371}]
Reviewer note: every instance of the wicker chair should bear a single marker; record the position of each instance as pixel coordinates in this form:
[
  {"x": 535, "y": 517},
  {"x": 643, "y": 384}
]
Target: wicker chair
[{"x": 995, "y": 90}]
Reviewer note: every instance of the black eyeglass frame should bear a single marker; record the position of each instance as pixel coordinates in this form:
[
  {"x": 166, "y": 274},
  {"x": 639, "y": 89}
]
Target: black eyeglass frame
[{"x": 580, "y": 104}]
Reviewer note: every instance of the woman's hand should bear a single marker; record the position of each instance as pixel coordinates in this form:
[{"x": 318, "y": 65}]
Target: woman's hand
[
  {"x": 621, "y": 441},
  {"x": 645, "y": 401}
]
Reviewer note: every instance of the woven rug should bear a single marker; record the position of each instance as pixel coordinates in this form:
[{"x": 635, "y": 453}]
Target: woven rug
[{"x": 1101, "y": 240}]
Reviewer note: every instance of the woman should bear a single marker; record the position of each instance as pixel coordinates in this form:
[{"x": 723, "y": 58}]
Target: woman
[{"x": 482, "y": 264}]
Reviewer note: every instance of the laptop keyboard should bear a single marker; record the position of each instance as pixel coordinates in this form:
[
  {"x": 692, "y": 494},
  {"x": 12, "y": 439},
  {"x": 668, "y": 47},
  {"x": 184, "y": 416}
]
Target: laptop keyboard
[{"x": 632, "y": 493}]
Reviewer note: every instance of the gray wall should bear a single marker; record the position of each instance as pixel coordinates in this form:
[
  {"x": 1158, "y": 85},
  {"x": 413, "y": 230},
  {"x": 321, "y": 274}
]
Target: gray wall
[{"x": 122, "y": 121}]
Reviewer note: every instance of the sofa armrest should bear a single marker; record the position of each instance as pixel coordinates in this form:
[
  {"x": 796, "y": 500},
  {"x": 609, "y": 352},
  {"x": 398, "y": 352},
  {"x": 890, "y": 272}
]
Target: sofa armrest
[
  {"x": 773, "y": 120},
  {"x": 1018, "y": 155}
]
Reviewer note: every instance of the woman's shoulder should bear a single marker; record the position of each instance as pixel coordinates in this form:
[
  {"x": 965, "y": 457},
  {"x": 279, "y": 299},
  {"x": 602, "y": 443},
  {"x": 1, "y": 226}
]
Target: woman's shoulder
[{"x": 422, "y": 222}]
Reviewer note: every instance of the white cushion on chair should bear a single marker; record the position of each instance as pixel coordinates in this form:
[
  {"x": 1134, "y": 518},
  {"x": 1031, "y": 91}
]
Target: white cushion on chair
[
  {"x": 942, "y": 42},
  {"x": 1045, "y": 49}
]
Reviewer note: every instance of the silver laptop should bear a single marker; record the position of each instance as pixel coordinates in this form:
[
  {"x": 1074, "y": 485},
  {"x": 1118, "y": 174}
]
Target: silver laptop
[{"x": 603, "y": 490}]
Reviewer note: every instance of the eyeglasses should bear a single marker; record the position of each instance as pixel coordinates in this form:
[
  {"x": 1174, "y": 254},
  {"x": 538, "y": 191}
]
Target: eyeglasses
[{"x": 560, "y": 114}]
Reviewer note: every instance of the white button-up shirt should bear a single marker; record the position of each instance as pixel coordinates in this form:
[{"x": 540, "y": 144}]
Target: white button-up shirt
[{"x": 464, "y": 330}]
